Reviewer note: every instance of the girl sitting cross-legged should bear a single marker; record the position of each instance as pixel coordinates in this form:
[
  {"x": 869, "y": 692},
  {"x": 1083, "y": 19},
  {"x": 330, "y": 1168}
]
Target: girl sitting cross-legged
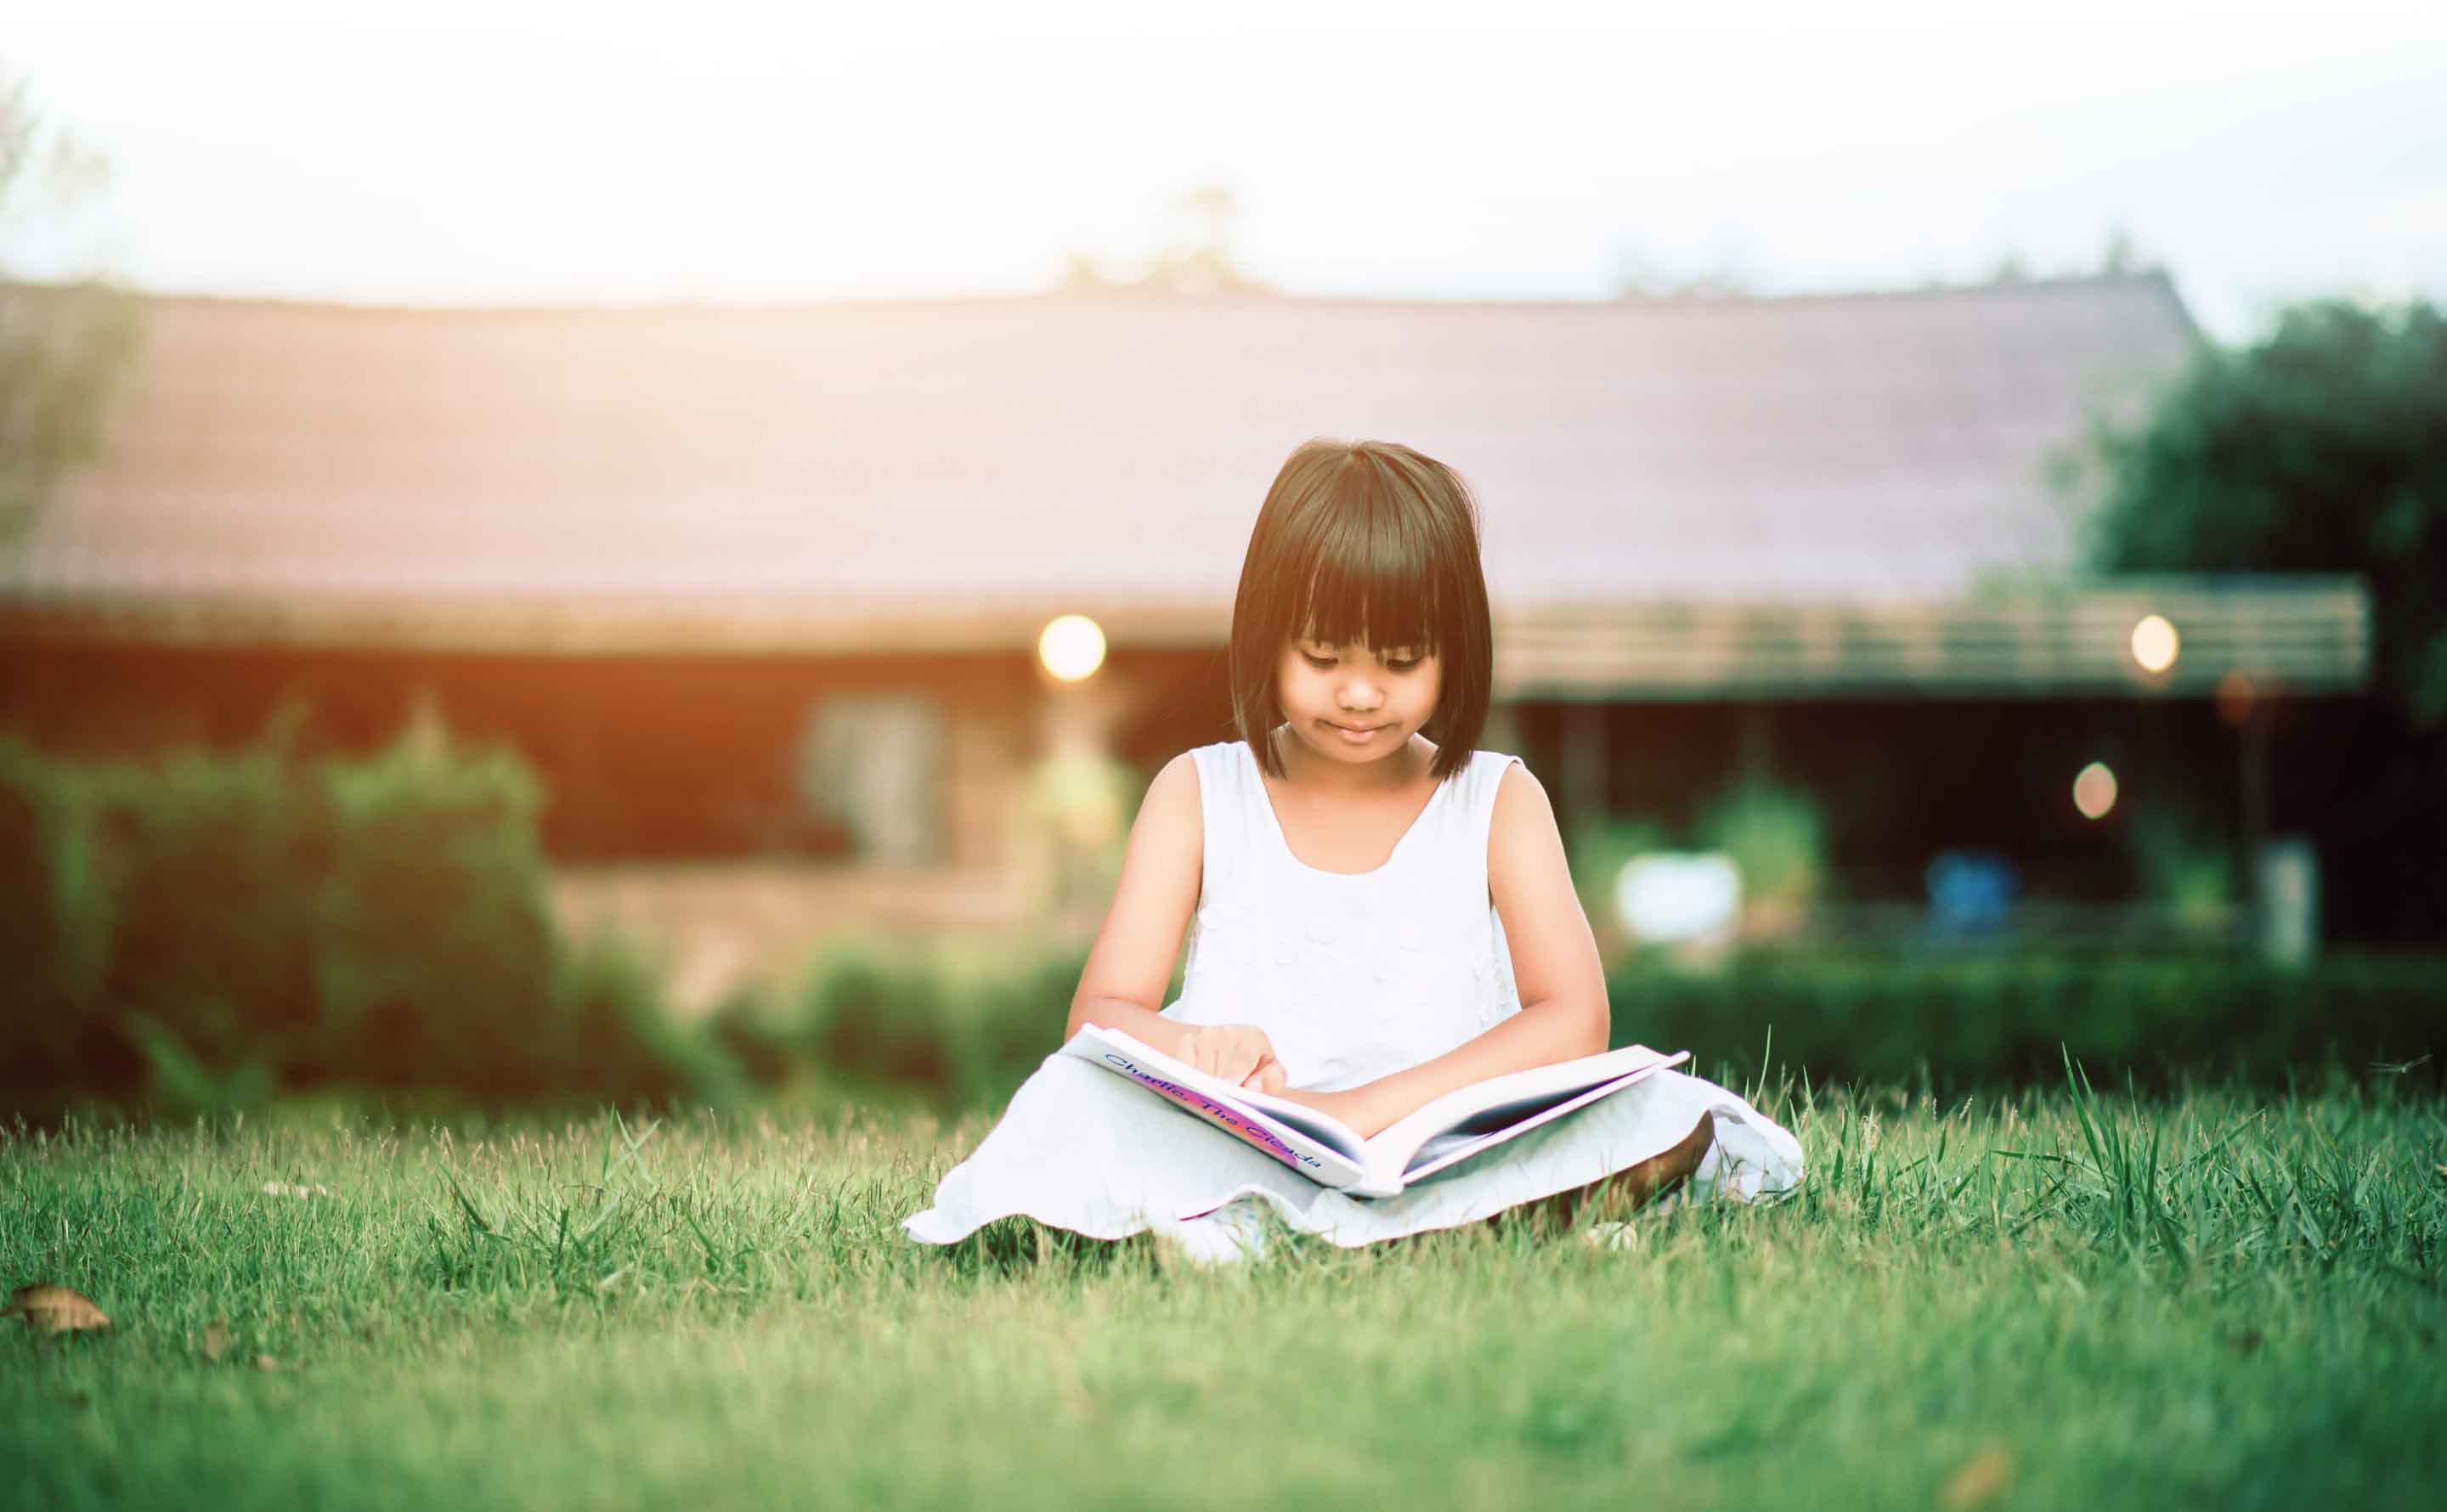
[{"x": 1377, "y": 911}]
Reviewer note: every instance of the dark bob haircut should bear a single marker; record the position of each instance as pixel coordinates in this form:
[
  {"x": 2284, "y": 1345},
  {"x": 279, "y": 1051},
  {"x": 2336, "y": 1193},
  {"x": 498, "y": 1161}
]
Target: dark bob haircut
[{"x": 1371, "y": 543}]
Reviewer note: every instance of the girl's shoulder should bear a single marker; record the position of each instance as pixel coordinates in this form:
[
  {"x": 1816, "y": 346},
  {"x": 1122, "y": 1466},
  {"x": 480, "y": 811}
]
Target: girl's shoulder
[
  {"x": 1517, "y": 810},
  {"x": 1215, "y": 764},
  {"x": 1229, "y": 765},
  {"x": 1490, "y": 765},
  {"x": 1486, "y": 772},
  {"x": 1201, "y": 776}
]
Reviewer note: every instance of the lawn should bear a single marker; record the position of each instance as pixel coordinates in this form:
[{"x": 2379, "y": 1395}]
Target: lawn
[{"x": 2212, "y": 1300}]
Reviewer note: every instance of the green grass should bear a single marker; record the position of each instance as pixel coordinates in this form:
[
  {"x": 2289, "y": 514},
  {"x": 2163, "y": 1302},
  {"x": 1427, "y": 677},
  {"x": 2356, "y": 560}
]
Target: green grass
[{"x": 2065, "y": 1300}]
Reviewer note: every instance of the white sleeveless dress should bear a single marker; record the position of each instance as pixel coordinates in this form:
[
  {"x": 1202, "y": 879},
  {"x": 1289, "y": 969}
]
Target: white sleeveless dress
[{"x": 1352, "y": 976}]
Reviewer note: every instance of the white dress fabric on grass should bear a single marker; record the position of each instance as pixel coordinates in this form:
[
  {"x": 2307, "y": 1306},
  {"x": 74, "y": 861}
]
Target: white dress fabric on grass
[{"x": 1352, "y": 976}]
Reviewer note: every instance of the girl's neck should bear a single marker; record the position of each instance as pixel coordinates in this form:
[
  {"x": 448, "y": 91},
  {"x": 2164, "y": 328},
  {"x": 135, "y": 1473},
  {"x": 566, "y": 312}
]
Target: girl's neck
[{"x": 1304, "y": 768}]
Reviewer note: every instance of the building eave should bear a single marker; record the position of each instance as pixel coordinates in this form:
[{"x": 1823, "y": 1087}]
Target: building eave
[{"x": 2072, "y": 639}]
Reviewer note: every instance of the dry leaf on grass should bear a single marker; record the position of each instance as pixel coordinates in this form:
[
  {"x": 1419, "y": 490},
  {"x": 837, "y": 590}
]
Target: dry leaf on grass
[
  {"x": 217, "y": 1340},
  {"x": 284, "y": 1189},
  {"x": 54, "y": 1309},
  {"x": 265, "y": 1362},
  {"x": 1982, "y": 1479}
]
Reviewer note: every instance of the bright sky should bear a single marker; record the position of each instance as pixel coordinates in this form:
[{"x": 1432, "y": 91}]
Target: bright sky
[{"x": 518, "y": 150}]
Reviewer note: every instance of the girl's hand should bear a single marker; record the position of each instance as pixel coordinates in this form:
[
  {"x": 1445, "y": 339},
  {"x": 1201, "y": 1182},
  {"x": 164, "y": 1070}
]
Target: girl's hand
[
  {"x": 1359, "y": 1107},
  {"x": 1239, "y": 1054}
]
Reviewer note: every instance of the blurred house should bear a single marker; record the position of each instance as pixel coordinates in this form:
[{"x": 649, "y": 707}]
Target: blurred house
[{"x": 768, "y": 582}]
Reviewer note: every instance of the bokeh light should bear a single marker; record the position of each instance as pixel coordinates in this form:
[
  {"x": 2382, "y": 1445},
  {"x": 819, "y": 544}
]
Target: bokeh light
[
  {"x": 2156, "y": 643},
  {"x": 2094, "y": 791},
  {"x": 1071, "y": 647},
  {"x": 1669, "y": 897}
]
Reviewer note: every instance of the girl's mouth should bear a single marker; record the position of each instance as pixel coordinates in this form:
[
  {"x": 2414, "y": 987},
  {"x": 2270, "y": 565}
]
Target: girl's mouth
[{"x": 1356, "y": 735}]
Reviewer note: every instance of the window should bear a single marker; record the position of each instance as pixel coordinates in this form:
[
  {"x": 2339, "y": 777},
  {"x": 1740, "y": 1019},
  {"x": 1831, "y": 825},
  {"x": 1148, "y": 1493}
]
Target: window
[{"x": 873, "y": 763}]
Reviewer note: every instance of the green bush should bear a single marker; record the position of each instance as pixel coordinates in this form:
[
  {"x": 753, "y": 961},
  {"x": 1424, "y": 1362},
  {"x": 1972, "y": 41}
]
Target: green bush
[
  {"x": 2185, "y": 866},
  {"x": 53, "y": 924},
  {"x": 2003, "y": 1018},
  {"x": 1777, "y": 839},
  {"x": 437, "y": 951},
  {"x": 607, "y": 1033},
  {"x": 963, "y": 1025},
  {"x": 219, "y": 871},
  {"x": 965, "y": 1033},
  {"x": 219, "y": 926}
]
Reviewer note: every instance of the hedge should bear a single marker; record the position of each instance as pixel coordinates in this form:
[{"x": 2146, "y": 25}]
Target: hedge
[
  {"x": 211, "y": 927},
  {"x": 1955, "y": 1021},
  {"x": 967, "y": 1036}
]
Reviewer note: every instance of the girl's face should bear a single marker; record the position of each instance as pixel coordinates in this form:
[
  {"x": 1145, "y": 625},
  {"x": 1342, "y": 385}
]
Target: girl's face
[{"x": 1353, "y": 704}]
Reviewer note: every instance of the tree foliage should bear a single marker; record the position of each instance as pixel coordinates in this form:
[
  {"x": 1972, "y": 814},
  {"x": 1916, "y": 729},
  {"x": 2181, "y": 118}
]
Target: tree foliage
[
  {"x": 2322, "y": 450},
  {"x": 61, "y": 344}
]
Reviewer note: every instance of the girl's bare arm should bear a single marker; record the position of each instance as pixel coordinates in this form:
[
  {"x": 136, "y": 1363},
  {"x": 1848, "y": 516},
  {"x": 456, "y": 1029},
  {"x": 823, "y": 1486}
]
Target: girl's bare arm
[
  {"x": 1131, "y": 962},
  {"x": 1555, "y": 965}
]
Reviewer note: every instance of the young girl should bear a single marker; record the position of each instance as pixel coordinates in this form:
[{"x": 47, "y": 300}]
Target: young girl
[{"x": 1379, "y": 914}]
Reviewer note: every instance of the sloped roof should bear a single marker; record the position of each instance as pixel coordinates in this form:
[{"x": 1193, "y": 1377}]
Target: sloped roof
[{"x": 922, "y": 462}]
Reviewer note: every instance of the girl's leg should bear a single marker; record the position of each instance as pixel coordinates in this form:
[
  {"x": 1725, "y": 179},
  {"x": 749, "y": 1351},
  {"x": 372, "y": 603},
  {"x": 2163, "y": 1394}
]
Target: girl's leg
[{"x": 1626, "y": 1190}]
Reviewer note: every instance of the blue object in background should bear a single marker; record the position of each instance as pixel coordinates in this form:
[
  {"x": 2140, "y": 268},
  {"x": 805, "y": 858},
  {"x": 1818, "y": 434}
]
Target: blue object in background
[{"x": 1969, "y": 893}]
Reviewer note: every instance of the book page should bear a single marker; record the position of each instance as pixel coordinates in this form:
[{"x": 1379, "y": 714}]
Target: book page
[
  {"x": 1491, "y": 1111},
  {"x": 1507, "y": 1121}
]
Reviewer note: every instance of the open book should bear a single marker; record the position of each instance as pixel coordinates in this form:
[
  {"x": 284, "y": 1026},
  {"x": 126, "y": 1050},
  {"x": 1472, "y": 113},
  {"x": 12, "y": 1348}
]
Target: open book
[{"x": 1449, "y": 1131}]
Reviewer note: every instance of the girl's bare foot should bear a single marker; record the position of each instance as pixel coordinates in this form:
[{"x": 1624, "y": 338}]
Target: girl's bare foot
[
  {"x": 1653, "y": 1177},
  {"x": 1633, "y": 1187}
]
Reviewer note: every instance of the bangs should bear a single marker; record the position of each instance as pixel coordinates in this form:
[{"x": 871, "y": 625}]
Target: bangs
[
  {"x": 1369, "y": 571},
  {"x": 1370, "y": 593}
]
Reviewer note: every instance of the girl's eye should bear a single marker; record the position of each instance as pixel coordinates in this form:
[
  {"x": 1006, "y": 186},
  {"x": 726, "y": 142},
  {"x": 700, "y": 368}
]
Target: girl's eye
[{"x": 1322, "y": 663}]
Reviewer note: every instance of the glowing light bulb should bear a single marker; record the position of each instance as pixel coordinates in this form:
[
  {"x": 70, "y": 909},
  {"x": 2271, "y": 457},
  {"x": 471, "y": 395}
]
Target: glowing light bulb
[
  {"x": 2156, "y": 644},
  {"x": 1071, "y": 647},
  {"x": 2094, "y": 791}
]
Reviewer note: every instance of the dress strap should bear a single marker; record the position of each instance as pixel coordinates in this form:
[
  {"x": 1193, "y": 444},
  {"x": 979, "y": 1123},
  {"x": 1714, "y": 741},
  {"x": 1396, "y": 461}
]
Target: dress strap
[{"x": 1482, "y": 779}]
